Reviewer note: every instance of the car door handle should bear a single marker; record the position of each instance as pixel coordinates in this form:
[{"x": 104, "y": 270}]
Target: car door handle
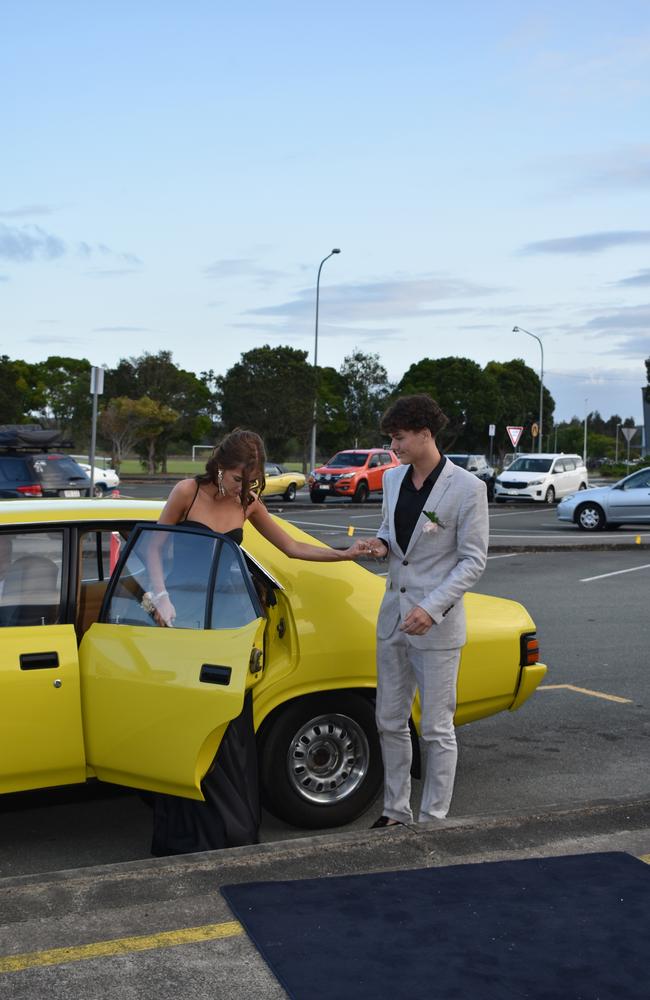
[
  {"x": 214, "y": 673},
  {"x": 39, "y": 661}
]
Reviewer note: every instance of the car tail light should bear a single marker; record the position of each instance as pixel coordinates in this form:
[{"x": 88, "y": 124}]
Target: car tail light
[
  {"x": 529, "y": 649},
  {"x": 30, "y": 491}
]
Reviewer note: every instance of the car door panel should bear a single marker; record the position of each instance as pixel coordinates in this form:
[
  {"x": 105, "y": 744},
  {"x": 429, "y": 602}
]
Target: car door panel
[
  {"x": 150, "y": 720},
  {"x": 156, "y": 700},
  {"x": 41, "y": 738}
]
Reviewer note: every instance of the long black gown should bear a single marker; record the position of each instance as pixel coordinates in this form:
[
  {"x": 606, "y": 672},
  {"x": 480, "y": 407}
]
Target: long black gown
[{"x": 230, "y": 815}]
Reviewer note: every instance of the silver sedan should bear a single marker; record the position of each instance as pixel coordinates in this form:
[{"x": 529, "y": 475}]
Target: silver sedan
[{"x": 626, "y": 502}]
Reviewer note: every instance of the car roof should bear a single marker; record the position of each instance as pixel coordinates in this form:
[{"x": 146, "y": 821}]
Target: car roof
[
  {"x": 548, "y": 454},
  {"x": 64, "y": 511}
]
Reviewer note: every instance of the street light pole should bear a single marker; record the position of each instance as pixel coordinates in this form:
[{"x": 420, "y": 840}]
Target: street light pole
[
  {"x": 520, "y": 329},
  {"x": 312, "y": 457},
  {"x": 584, "y": 447},
  {"x": 616, "y": 459}
]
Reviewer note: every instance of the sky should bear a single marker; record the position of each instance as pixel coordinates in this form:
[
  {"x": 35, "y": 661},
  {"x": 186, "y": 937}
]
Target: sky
[{"x": 174, "y": 171}]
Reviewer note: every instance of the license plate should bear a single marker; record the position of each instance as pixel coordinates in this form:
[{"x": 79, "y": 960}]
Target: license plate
[
  {"x": 328, "y": 487},
  {"x": 71, "y": 493}
]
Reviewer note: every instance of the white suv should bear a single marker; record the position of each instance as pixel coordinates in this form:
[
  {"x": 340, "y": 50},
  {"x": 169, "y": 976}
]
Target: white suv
[{"x": 541, "y": 477}]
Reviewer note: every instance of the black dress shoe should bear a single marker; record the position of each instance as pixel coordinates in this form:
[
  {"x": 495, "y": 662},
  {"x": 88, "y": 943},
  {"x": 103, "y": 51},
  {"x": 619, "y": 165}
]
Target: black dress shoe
[{"x": 385, "y": 821}]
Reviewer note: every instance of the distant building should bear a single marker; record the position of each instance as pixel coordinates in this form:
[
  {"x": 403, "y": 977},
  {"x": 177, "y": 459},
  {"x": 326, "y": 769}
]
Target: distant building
[{"x": 645, "y": 440}]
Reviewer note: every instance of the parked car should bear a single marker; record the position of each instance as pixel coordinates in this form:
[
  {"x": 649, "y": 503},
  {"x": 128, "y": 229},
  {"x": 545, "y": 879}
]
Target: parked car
[
  {"x": 28, "y": 468},
  {"x": 479, "y": 465},
  {"x": 280, "y": 483},
  {"x": 104, "y": 480},
  {"x": 355, "y": 473},
  {"x": 90, "y": 687},
  {"x": 625, "y": 502},
  {"x": 541, "y": 477}
]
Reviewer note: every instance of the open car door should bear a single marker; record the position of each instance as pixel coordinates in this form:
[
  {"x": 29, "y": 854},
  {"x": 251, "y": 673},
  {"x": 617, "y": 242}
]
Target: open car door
[{"x": 156, "y": 701}]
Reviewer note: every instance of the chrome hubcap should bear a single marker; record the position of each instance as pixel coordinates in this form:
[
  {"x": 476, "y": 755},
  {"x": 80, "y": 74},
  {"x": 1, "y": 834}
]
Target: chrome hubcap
[
  {"x": 328, "y": 759},
  {"x": 589, "y": 518}
]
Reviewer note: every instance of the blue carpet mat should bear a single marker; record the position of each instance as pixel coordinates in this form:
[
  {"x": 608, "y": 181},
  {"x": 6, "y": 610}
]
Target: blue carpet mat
[{"x": 567, "y": 928}]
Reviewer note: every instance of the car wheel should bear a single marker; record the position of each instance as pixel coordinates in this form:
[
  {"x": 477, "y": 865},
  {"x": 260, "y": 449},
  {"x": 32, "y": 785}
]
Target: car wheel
[
  {"x": 290, "y": 492},
  {"x": 99, "y": 490},
  {"x": 320, "y": 761},
  {"x": 549, "y": 496},
  {"x": 317, "y": 497},
  {"x": 361, "y": 493},
  {"x": 590, "y": 517}
]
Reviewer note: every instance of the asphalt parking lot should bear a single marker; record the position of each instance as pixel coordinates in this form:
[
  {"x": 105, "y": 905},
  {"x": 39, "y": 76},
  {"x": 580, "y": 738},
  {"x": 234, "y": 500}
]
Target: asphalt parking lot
[{"x": 565, "y": 774}]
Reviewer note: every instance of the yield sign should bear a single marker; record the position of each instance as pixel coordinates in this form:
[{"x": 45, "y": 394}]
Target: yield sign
[{"x": 514, "y": 433}]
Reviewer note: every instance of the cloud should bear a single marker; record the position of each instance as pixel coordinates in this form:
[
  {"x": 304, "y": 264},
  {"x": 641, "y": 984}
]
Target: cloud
[
  {"x": 640, "y": 280},
  {"x": 25, "y": 211},
  {"x": 632, "y": 347},
  {"x": 121, "y": 329},
  {"x": 588, "y": 243},
  {"x": 29, "y": 243},
  {"x": 378, "y": 300},
  {"x": 4, "y": 277},
  {"x": 241, "y": 267},
  {"x": 324, "y": 330},
  {"x": 624, "y": 320},
  {"x": 117, "y": 272},
  {"x": 42, "y": 339}
]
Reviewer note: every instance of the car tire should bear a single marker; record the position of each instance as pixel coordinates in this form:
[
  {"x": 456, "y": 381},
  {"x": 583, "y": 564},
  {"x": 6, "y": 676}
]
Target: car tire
[
  {"x": 549, "y": 496},
  {"x": 99, "y": 490},
  {"x": 317, "y": 497},
  {"x": 320, "y": 761},
  {"x": 590, "y": 517},
  {"x": 361, "y": 493},
  {"x": 290, "y": 492}
]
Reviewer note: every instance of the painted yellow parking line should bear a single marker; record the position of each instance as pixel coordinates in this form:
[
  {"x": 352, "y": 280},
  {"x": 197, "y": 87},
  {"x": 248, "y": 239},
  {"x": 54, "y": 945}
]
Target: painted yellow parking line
[
  {"x": 593, "y": 694},
  {"x": 646, "y": 858},
  {"x": 121, "y": 946}
]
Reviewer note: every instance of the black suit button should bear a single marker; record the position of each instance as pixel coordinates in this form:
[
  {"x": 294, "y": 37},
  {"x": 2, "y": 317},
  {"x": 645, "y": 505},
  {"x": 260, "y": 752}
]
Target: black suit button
[
  {"x": 405, "y": 562},
  {"x": 402, "y": 590}
]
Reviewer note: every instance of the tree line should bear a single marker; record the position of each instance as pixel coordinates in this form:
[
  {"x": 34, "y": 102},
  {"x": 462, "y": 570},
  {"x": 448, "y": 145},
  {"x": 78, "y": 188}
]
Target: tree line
[{"x": 153, "y": 408}]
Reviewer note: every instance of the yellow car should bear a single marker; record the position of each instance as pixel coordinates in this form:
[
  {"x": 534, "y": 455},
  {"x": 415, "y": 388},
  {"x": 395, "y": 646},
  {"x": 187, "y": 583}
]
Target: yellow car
[
  {"x": 91, "y": 687},
  {"x": 280, "y": 483}
]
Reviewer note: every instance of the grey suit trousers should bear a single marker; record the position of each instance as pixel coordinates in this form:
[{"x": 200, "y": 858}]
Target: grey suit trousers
[{"x": 401, "y": 669}]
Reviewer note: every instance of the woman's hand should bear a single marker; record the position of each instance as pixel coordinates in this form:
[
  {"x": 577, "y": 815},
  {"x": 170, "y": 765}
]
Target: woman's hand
[
  {"x": 165, "y": 612},
  {"x": 371, "y": 548}
]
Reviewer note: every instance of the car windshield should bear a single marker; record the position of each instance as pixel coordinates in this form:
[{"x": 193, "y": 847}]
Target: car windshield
[
  {"x": 344, "y": 459},
  {"x": 459, "y": 460},
  {"x": 530, "y": 465}
]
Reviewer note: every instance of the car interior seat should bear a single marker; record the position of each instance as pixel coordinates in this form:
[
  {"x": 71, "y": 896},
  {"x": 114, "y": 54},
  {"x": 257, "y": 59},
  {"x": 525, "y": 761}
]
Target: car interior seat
[{"x": 30, "y": 595}]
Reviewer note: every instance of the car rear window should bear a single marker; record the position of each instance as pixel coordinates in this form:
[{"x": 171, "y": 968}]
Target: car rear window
[
  {"x": 458, "y": 460},
  {"x": 52, "y": 469}
]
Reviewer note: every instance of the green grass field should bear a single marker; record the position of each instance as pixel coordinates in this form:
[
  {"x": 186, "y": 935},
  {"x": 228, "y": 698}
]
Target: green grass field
[{"x": 184, "y": 466}]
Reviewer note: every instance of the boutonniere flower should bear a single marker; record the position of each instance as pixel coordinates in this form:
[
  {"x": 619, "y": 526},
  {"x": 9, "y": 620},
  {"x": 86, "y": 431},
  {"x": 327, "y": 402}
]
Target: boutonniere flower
[{"x": 433, "y": 523}]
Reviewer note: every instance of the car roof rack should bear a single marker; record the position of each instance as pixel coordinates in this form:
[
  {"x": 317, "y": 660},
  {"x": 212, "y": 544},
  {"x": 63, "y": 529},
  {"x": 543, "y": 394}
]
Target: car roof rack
[{"x": 30, "y": 437}]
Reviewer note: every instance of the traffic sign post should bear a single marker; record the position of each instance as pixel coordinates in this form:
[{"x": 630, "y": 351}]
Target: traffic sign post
[
  {"x": 491, "y": 432},
  {"x": 96, "y": 389},
  {"x": 628, "y": 433},
  {"x": 514, "y": 433}
]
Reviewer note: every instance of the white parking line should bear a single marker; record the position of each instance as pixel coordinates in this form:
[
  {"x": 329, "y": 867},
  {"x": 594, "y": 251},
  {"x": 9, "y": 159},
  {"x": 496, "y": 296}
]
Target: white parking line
[
  {"x": 518, "y": 513},
  {"x": 506, "y": 555},
  {"x": 632, "y": 569},
  {"x": 322, "y": 524}
]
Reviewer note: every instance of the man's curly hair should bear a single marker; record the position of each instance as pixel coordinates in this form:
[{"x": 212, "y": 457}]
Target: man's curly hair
[{"x": 413, "y": 413}]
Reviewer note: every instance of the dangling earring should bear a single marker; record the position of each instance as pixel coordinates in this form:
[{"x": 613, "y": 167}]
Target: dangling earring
[{"x": 222, "y": 492}]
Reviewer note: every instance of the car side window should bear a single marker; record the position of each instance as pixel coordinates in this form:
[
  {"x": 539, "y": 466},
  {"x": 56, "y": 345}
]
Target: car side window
[
  {"x": 184, "y": 561},
  {"x": 385, "y": 458},
  {"x": 558, "y": 466},
  {"x": 569, "y": 464},
  {"x": 374, "y": 462},
  {"x": 30, "y": 578},
  {"x": 641, "y": 481}
]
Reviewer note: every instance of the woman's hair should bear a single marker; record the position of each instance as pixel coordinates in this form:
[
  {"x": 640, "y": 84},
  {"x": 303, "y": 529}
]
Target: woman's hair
[
  {"x": 239, "y": 448},
  {"x": 413, "y": 413}
]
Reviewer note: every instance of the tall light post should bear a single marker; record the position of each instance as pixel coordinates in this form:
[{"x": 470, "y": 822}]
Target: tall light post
[
  {"x": 312, "y": 457},
  {"x": 584, "y": 447},
  {"x": 617, "y": 427},
  {"x": 520, "y": 329}
]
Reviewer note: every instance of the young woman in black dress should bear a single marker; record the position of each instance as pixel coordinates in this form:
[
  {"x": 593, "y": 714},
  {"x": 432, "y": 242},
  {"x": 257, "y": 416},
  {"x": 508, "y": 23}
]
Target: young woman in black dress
[{"x": 222, "y": 499}]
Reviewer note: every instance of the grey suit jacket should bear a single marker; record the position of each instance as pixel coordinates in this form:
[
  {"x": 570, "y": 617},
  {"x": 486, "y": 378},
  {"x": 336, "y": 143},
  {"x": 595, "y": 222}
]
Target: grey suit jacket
[{"x": 438, "y": 566}]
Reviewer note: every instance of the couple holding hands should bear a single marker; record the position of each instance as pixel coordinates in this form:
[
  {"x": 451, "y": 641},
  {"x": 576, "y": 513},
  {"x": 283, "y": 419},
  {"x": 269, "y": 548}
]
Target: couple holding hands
[{"x": 434, "y": 536}]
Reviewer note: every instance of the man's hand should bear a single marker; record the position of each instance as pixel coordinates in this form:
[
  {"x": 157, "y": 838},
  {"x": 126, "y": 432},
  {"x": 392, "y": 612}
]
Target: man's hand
[
  {"x": 417, "y": 622},
  {"x": 377, "y": 547}
]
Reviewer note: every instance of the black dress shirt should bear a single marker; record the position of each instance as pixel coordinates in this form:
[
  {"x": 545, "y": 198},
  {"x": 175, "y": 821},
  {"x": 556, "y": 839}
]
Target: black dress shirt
[{"x": 410, "y": 503}]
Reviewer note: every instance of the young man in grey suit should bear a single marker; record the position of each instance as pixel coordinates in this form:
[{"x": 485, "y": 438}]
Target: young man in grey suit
[{"x": 434, "y": 532}]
